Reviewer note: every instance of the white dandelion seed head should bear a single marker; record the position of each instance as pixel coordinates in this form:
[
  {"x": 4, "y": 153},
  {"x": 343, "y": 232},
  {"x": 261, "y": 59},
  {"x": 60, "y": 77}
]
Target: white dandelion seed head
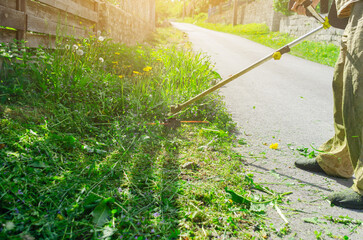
[
  {"x": 75, "y": 47},
  {"x": 101, "y": 60},
  {"x": 80, "y": 52},
  {"x": 9, "y": 225},
  {"x": 67, "y": 47},
  {"x": 100, "y": 38}
]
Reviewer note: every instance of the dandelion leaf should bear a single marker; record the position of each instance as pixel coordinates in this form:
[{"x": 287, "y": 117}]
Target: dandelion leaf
[
  {"x": 238, "y": 198},
  {"x": 101, "y": 214}
]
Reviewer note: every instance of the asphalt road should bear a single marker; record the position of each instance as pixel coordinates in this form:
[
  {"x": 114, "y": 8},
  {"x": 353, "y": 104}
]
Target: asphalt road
[
  {"x": 290, "y": 102},
  {"x": 290, "y": 99}
]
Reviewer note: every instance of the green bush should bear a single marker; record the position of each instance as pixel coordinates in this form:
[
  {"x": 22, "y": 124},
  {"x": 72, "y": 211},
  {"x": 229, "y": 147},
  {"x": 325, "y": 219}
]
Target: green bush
[
  {"x": 201, "y": 17},
  {"x": 282, "y": 6}
]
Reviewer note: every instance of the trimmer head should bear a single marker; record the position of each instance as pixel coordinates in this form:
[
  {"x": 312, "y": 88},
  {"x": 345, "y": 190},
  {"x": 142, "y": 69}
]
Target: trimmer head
[{"x": 172, "y": 123}]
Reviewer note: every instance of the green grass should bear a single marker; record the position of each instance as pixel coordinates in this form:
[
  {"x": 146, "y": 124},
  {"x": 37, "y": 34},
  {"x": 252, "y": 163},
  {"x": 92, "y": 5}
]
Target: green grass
[
  {"x": 320, "y": 52},
  {"x": 79, "y": 159}
]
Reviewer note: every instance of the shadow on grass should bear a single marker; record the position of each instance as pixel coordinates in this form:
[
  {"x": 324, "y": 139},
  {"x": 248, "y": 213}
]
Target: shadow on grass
[
  {"x": 153, "y": 184},
  {"x": 65, "y": 184}
]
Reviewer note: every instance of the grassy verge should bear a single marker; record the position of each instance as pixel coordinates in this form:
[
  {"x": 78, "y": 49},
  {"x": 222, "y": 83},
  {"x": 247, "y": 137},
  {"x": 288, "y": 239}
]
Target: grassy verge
[
  {"x": 320, "y": 52},
  {"x": 79, "y": 159}
]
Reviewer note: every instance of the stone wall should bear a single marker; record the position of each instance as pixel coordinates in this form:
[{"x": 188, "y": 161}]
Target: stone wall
[
  {"x": 299, "y": 25},
  {"x": 261, "y": 11}
]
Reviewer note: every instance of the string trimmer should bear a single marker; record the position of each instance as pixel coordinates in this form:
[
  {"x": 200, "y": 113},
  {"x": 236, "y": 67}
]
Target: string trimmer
[{"x": 276, "y": 55}]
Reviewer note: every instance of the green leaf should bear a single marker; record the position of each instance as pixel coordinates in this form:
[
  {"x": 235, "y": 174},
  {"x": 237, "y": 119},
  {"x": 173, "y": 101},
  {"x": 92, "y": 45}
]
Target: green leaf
[
  {"x": 101, "y": 214},
  {"x": 314, "y": 220},
  {"x": 275, "y": 174},
  {"x": 108, "y": 232},
  {"x": 242, "y": 141},
  {"x": 238, "y": 198},
  {"x": 258, "y": 207},
  {"x": 101, "y": 151},
  {"x": 109, "y": 199},
  {"x": 312, "y": 154},
  {"x": 38, "y": 165},
  {"x": 88, "y": 149}
]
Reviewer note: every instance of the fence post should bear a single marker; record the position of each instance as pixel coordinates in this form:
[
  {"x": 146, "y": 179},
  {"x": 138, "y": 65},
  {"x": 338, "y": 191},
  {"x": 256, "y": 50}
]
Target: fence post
[
  {"x": 243, "y": 8},
  {"x": 96, "y": 8},
  {"x": 152, "y": 14},
  {"x": 235, "y": 13},
  {"x": 21, "y": 6},
  {"x": 184, "y": 9}
]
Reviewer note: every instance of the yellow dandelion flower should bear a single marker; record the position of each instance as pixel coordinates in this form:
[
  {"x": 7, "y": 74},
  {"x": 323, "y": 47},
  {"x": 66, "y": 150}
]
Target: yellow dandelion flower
[
  {"x": 60, "y": 217},
  {"x": 136, "y": 72},
  {"x": 121, "y": 76},
  {"x": 274, "y": 146},
  {"x": 117, "y": 53},
  {"x": 115, "y": 63},
  {"x": 230, "y": 200},
  {"x": 147, "y": 69}
]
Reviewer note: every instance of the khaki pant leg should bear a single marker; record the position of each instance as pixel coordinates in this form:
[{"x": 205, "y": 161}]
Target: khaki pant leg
[
  {"x": 334, "y": 156},
  {"x": 353, "y": 93}
]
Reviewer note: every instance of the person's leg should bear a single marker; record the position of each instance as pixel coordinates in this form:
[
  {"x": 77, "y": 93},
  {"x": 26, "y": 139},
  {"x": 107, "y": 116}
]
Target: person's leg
[
  {"x": 334, "y": 156},
  {"x": 353, "y": 92},
  {"x": 353, "y": 108}
]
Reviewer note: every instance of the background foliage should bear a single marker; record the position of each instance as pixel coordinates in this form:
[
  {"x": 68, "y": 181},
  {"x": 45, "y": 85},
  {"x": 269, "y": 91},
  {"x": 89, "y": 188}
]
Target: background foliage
[{"x": 282, "y": 6}]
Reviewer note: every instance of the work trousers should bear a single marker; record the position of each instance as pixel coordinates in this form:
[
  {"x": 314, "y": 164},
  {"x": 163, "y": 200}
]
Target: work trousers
[{"x": 343, "y": 154}]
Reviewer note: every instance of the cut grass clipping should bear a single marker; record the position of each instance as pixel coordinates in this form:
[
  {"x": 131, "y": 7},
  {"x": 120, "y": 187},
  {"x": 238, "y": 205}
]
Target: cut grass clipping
[{"x": 78, "y": 159}]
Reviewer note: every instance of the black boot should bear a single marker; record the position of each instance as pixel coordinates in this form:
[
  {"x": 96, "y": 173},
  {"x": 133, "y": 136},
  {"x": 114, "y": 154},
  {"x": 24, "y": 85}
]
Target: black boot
[
  {"x": 347, "y": 199},
  {"x": 309, "y": 165}
]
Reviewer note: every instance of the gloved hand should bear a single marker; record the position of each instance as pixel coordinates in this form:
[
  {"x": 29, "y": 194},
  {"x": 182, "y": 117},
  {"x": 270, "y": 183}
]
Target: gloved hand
[{"x": 300, "y": 9}]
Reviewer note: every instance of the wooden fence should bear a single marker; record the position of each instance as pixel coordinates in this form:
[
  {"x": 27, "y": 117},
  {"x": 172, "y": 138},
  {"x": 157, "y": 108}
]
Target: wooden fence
[{"x": 39, "y": 22}]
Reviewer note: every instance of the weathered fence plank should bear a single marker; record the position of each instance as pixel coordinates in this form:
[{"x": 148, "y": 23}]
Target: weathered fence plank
[
  {"x": 39, "y": 25},
  {"x": 7, "y": 35},
  {"x": 73, "y": 8},
  {"x": 36, "y": 40},
  {"x": 8, "y": 3},
  {"x": 40, "y": 21},
  {"x": 12, "y": 18},
  {"x": 51, "y": 14}
]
